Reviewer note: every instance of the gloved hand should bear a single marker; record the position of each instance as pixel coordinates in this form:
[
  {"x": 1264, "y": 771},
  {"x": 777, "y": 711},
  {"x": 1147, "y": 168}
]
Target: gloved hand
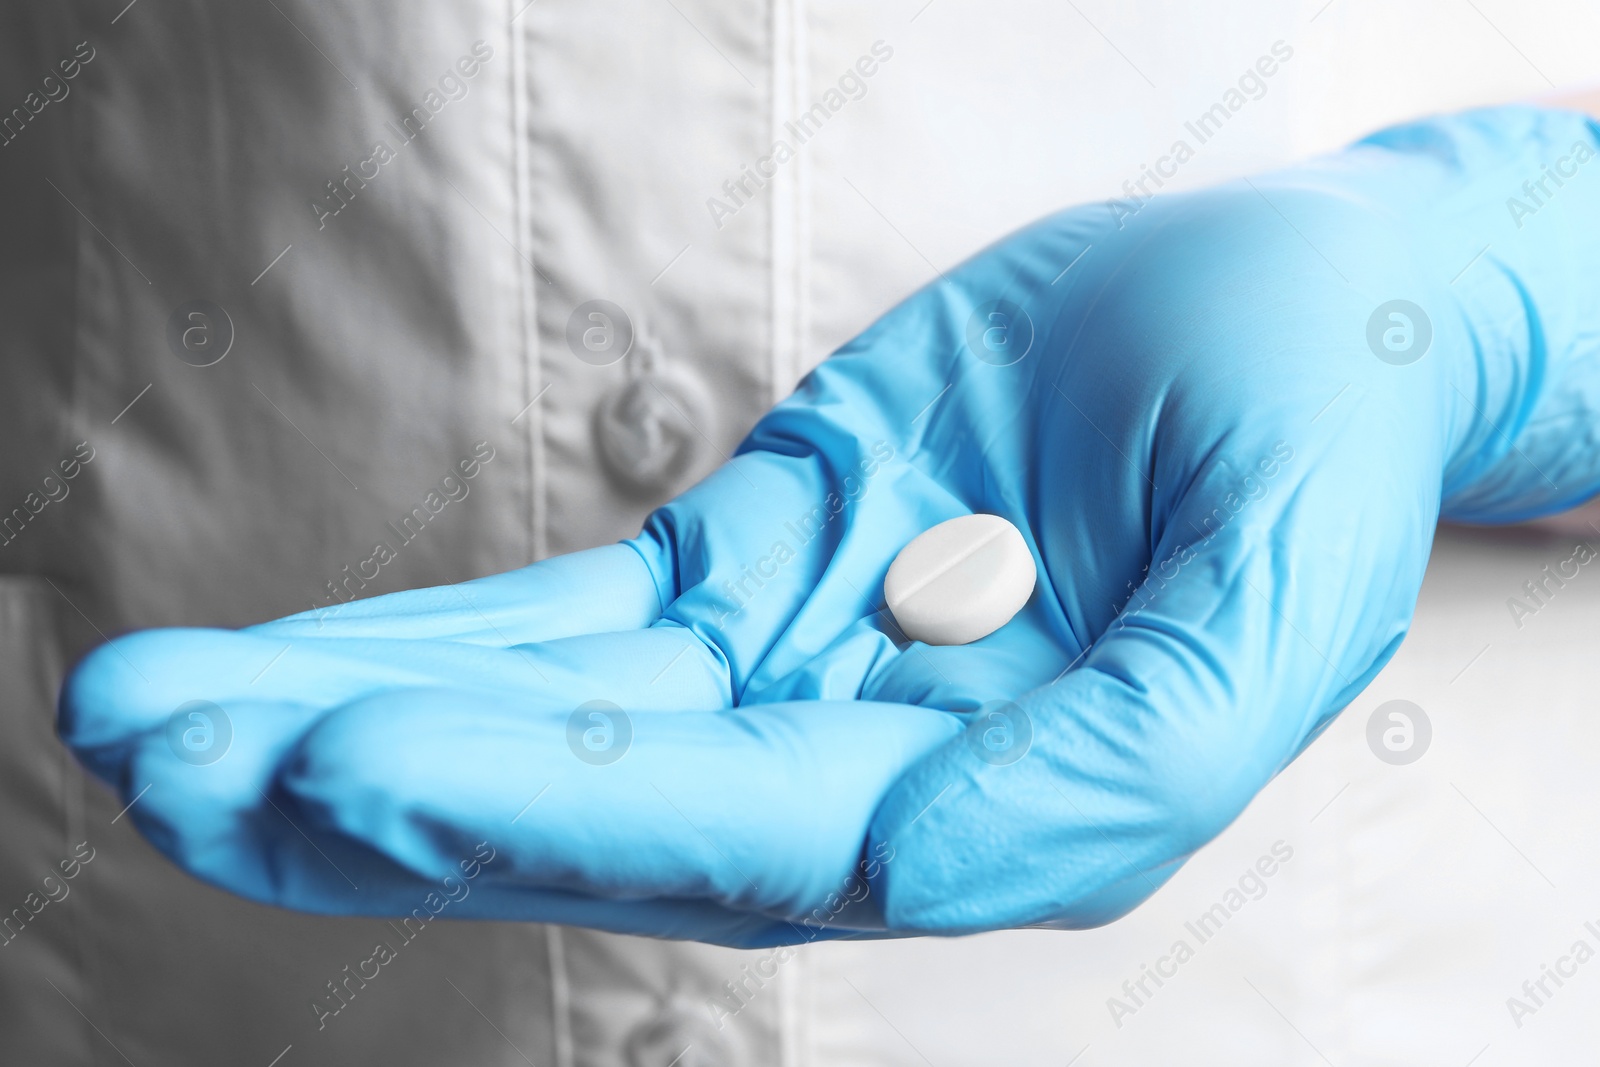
[{"x": 1225, "y": 446}]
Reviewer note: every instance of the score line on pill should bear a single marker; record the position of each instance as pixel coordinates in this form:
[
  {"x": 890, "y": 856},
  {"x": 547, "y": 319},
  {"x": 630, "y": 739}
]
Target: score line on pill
[{"x": 960, "y": 580}]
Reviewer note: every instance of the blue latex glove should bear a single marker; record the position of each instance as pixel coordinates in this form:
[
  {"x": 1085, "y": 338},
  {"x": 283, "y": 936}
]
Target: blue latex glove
[{"x": 1229, "y": 495}]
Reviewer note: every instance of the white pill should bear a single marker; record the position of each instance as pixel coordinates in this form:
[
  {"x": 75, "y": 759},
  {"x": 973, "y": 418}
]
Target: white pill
[{"x": 960, "y": 580}]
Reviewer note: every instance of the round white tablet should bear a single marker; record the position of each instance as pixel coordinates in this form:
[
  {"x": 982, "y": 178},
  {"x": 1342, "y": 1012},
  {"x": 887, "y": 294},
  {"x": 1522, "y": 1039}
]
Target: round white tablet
[{"x": 960, "y": 580}]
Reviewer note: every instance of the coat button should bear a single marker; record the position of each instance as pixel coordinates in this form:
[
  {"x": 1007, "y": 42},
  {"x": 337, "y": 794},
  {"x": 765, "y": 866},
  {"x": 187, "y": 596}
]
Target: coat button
[
  {"x": 677, "y": 1036},
  {"x": 648, "y": 430}
]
